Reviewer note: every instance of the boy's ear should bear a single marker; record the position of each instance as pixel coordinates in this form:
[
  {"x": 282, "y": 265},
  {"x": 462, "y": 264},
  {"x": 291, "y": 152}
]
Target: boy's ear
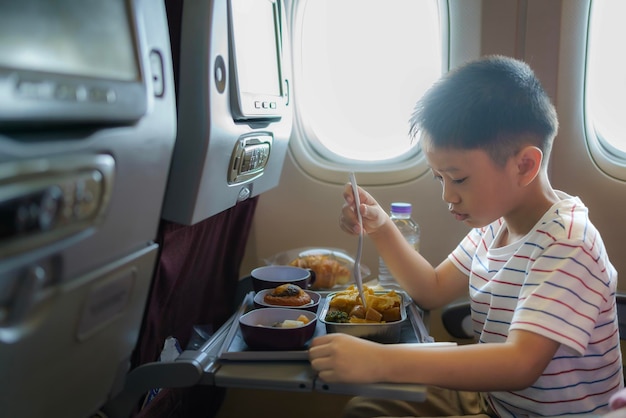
[{"x": 529, "y": 161}]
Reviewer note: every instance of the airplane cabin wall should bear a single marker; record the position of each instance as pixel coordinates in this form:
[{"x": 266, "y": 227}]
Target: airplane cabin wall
[
  {"x": 575, "y": 169},
  {"x": 303, "y": 211},
  {"x": 551, "y": 36}
]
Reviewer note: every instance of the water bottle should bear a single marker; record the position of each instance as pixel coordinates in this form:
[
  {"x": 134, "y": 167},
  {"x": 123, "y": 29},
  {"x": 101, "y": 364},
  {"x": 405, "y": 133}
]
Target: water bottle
[{"x": 401, "y": 217}]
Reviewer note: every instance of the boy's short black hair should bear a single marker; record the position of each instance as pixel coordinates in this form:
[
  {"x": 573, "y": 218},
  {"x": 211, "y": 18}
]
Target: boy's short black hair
[{"x": 495, "y": 103}]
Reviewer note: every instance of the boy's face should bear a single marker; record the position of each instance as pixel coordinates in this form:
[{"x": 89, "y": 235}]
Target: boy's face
[{"x": 476, "y": 190}]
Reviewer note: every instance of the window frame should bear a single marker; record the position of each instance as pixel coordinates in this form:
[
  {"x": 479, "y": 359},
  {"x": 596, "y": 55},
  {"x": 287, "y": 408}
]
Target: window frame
[
  {"x": 610, "y": 160},
  {"x": 406, "y": 167}
]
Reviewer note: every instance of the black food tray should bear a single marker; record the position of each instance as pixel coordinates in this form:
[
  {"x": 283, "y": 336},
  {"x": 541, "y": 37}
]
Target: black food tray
[{"x": 234, "y": 348}]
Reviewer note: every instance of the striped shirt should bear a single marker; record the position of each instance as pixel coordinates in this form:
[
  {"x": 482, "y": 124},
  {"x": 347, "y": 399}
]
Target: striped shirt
[{"x": 558, "y": 282}]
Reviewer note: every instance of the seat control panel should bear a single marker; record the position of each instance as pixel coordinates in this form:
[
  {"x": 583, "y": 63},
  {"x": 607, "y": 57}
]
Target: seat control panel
[{"x": 249, "y": 157}]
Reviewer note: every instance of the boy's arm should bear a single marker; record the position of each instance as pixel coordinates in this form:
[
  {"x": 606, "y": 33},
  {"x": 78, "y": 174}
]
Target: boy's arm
[
  {"x": 429, "y": 287},
  {"x": 512, "y": 365}
]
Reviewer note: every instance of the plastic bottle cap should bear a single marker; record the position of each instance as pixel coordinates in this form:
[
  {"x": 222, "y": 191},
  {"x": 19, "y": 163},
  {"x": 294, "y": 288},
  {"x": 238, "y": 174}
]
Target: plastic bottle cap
[{"x": 401, "y": 207}]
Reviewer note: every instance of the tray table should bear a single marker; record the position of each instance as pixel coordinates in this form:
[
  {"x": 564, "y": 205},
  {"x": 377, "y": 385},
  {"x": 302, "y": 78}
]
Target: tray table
[{"x": 238, "y": 366}]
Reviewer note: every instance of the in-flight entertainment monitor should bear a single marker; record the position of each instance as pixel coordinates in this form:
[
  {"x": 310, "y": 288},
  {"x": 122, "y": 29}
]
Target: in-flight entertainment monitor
[
  {"x": 70, "y": 61},
  {"x": 258, "y": 90},
  {"x": 234, "y": 114}
]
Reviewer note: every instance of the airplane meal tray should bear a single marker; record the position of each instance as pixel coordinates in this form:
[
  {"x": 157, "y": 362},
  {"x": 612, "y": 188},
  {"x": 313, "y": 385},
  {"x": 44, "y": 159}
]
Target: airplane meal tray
[{"x": 234, "y": 348}]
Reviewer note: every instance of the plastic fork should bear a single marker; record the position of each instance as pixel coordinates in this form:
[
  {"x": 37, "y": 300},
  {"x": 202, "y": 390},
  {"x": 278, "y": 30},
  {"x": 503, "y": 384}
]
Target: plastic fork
[{"x": 357, "y": 260}]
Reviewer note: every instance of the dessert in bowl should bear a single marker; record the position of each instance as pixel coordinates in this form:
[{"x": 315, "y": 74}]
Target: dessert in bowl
[
  {"x": 277, "y": 328},
  {"x": 288, "y": 296}
]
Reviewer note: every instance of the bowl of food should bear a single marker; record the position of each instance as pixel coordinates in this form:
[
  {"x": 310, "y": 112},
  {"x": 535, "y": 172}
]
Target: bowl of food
[
  {"x": 333, "y": 267},
  {"x": 288, "y": 296},
  {"x": 277, "y": 328},
  {"x": 382, "y": 321}
]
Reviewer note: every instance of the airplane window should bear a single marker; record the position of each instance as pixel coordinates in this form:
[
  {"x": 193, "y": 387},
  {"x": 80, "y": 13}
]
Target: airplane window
[
  {"x": 357, "y": 80},
  {"x": 605, "y": 79}
]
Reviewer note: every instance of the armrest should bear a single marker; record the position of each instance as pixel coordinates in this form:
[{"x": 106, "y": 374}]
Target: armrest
[
  {"x": 620, "y": 300},
  {"x": 457, "y": 320}
]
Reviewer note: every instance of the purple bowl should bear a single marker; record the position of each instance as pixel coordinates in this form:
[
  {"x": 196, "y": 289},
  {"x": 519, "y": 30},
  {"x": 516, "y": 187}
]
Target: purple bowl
[
  {"x": 259, "y": 333},
  {"x": 312, "y": 306},
  {"x": 269, "y": 277}
]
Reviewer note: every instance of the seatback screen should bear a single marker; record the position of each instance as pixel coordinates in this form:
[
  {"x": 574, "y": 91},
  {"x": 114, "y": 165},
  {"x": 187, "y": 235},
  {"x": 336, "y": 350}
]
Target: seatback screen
[{"x": 74, "y": 37}]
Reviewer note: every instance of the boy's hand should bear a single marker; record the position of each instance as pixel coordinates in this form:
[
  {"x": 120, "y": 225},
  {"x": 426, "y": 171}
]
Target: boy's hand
[
  {"x": 372, "y": 213},
  {"x": 341, "y": 357}
]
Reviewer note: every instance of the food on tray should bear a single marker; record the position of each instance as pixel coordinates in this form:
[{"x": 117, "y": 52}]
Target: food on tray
[
  {"x": 328, "y": 270},
  {"x": 292, "y": 323},
  {"x": 287, "y": 295},
  {"x": 277, "y": 328},
  {"x": 333, "y": 267},
  {"x": 337, "y": 316},
  {"x": 346, "y": 306}
]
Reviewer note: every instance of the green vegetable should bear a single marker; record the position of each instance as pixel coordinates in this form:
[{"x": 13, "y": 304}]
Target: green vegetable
[{"x": 337, "y": 316}]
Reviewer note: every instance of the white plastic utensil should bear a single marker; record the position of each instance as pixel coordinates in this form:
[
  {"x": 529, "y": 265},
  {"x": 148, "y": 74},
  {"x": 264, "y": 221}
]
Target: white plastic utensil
[{"x": 357, "y": 261}]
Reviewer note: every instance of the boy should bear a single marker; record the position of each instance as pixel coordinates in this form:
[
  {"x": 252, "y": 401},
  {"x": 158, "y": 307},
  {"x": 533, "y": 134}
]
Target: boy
[{"x": 541, "y": 286}]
